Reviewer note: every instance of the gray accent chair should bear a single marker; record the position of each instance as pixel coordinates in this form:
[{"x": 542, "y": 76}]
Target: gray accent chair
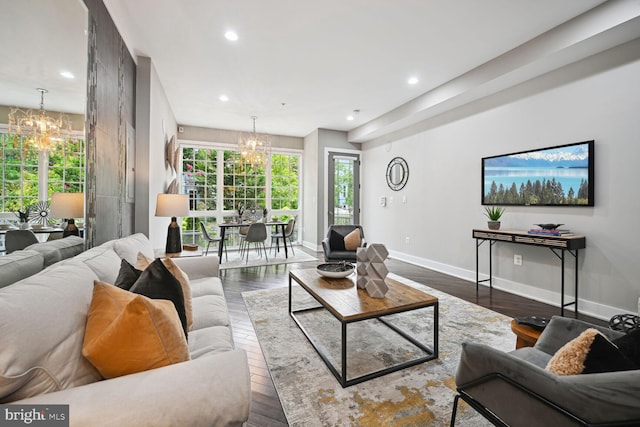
[
  {"x": 514, "y": 389},
  {"x": 288, "y": 232},
  {"x": 207, "y": 237},
  {"x": 16, "y": 240},
  {"x": 257, "y": 234},
  {"x": 333, "y": 252}
]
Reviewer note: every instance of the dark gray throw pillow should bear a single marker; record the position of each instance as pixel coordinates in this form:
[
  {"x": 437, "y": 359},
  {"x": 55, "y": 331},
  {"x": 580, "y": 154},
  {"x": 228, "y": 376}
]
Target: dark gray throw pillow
[
  {"x": 629, "y": 345},
  {"x": 158, "y": 283},
  {"x": 604, "y": 356},
  {"x": 127, "y": 275}
]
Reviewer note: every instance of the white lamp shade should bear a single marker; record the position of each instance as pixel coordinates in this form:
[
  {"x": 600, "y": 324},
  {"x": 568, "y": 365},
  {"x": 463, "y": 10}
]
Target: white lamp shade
[
  {"x": 172, "y": 205},
  {"x": 67, "y": 205}
]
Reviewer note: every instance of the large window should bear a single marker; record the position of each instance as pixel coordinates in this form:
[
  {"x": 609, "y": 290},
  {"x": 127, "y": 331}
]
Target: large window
[
  {"x": 28, "y": 175},
  {"x": 19, "y": 170},
  {"x": 243, "y": 184},
  {"x": 199, "y": 166},
  {"x": 66, "y": 168},
  {"x": 217, "y": 182},
  {"x": 285, "y": 181}
]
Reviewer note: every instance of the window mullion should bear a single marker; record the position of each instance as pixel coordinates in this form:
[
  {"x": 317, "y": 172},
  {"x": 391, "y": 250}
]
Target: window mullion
[{"x": 43, "y": 175}]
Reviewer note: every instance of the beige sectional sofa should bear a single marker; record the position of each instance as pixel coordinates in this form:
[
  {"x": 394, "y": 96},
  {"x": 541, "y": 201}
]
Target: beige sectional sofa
[{"x": 42, "y": 329}]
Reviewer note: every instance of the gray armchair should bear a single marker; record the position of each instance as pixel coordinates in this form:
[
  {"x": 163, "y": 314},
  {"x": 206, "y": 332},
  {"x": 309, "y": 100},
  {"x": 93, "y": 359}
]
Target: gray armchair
[
  {"x": 514, "y": 389},
  {"x": 333, "y": 243}
]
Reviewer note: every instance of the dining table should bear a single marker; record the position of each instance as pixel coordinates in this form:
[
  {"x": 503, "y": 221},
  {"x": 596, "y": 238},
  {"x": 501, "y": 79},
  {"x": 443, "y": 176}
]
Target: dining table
[
  {"x": 43, "y": 230},
  {"x": 223, "y": 231}
]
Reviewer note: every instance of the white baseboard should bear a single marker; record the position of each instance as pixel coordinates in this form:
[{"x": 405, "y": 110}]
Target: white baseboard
[
  {"x": 311, "y": 246},
  {"x": 591, "y": 308}
]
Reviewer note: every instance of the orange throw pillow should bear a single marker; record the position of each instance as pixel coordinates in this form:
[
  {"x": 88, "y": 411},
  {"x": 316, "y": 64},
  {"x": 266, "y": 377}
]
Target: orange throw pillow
[
  {"x": 352, "y": 240},
  {"x": 128, "y": 333},
  {"x": 143, "y": 262}
]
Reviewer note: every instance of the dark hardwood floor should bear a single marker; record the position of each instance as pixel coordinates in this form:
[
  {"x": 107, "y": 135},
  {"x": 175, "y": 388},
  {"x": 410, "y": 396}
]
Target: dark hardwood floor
[{"x": 266, "y": 409}]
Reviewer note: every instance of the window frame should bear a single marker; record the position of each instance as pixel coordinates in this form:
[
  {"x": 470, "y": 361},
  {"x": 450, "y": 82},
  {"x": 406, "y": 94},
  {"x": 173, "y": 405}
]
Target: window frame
[
  {"x": 191, "y": 227},
  {"x": 43, "y": 169}
]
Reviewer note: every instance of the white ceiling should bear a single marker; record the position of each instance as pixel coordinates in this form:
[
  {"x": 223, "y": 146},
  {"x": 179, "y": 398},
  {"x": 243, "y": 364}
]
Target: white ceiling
[
  {"x": 41, "y": 38},
  {"x": 298, "y": 65}
]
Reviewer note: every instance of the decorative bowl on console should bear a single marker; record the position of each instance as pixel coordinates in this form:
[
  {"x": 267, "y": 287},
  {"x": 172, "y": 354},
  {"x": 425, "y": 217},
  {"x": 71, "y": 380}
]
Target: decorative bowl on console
[
  {"x": 335, "y": 270},
  {"x": 549, "y": 226}
]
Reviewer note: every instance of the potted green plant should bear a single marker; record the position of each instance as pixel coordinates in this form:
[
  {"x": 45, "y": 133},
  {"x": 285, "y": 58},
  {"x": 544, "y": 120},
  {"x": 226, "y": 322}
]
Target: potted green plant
[{"x": 493, "y": 213}]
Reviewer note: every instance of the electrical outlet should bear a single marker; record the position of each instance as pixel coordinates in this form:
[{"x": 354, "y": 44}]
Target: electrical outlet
[
  {"x": 406, "y": 240},
  {"x": 517, "y": 259}
]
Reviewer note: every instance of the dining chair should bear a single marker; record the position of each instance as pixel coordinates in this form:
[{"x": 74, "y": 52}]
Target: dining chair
[
  {"x": 257, "y": 234},
  {"x": 288, "y": 232},
  {"x": 16, "y": 240},
  {"x": 209, "y": 240}
]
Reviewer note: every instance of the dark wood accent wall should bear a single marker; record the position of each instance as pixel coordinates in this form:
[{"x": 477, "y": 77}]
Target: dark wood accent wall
[{"x": 110, "y": 111}]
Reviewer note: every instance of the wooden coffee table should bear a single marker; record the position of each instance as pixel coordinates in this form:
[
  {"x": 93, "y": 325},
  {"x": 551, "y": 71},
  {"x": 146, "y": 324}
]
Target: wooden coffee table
[{"x": 348, "y": 304}]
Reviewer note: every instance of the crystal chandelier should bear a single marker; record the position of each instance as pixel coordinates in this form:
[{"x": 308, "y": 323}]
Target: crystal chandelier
[
  {"x": 254, "y": 149},
  {"x": 41, "y": 131}
]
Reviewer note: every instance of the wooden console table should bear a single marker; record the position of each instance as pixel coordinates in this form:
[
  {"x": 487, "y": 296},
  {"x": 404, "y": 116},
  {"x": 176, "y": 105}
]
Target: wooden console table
[{"x": 557, "y": 244}]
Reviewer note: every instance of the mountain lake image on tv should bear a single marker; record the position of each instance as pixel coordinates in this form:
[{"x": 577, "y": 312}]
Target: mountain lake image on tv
[{"x": 553, "y": 176}]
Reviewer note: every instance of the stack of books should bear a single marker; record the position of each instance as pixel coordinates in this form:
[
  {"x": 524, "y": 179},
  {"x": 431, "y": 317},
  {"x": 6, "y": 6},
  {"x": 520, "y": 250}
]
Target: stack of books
[{"x": 552, "y": 232}]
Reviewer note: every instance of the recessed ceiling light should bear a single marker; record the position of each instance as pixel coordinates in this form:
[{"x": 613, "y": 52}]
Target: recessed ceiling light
[
  {"x": 350, "y": 117},
  {"x": 67, "y": 74},
  {"x": 413, "y": 80},
  {"x": 231, "y": 35},
  {"x": 223, "y": 98}
]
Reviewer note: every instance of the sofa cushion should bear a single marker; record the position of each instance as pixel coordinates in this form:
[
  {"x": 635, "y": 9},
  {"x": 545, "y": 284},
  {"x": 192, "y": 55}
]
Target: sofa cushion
[
  {"x": 103, "y": 261},
  {"x": 206, "y": 286},
  {"x": 56, "y": 250},
  {"x": 157, "y": 282},
  {"x": 128, "y": 333},
  {"x": 42, "y": 328},
  {"x": 211, "y": 340},
  {"x": 211, "y": 310},
  {"x": 590, "y": 352},
  {"x": 143, "y": 262},
  {"x": 19, "y": 265},
  {"x": 128, "y": 247}
]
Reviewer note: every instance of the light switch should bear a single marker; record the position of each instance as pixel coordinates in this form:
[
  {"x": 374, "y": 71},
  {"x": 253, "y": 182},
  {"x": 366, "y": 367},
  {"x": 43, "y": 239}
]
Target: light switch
[{"x": 383, "y": 201}]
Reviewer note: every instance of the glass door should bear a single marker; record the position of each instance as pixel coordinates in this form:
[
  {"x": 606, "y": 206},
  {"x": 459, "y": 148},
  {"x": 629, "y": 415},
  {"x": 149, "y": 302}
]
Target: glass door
[{"x": 344, "y": 188}]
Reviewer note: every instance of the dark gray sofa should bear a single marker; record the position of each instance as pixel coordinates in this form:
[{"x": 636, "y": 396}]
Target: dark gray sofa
[{"x": 514, "y": 388}]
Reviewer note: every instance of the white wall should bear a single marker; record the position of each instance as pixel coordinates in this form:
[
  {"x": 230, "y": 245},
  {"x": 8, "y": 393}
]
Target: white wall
[
  {"x": 310, "y": 192},
  {"x": 155, "y": 124},
  {"x": 598, "y": 99}
]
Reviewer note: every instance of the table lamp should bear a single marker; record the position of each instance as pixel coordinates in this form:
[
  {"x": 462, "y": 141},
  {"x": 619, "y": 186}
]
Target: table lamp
[
  {"x": 173, "y": 205},
  {"x": 68, "y": 206}
]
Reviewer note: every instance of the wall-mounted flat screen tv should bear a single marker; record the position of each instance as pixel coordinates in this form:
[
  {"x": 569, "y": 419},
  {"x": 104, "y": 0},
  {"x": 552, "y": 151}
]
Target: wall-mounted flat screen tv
[{"x": 553, "y": 176}]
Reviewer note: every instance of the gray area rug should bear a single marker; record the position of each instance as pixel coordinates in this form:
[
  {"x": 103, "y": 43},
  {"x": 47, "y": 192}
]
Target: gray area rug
[
  {"x": 256, "y": 260},
  {"x": 418, "y": 396}
]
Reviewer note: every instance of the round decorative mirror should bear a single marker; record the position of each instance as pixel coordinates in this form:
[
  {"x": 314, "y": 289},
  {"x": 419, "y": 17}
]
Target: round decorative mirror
[{"x": 397, "y": 173}]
